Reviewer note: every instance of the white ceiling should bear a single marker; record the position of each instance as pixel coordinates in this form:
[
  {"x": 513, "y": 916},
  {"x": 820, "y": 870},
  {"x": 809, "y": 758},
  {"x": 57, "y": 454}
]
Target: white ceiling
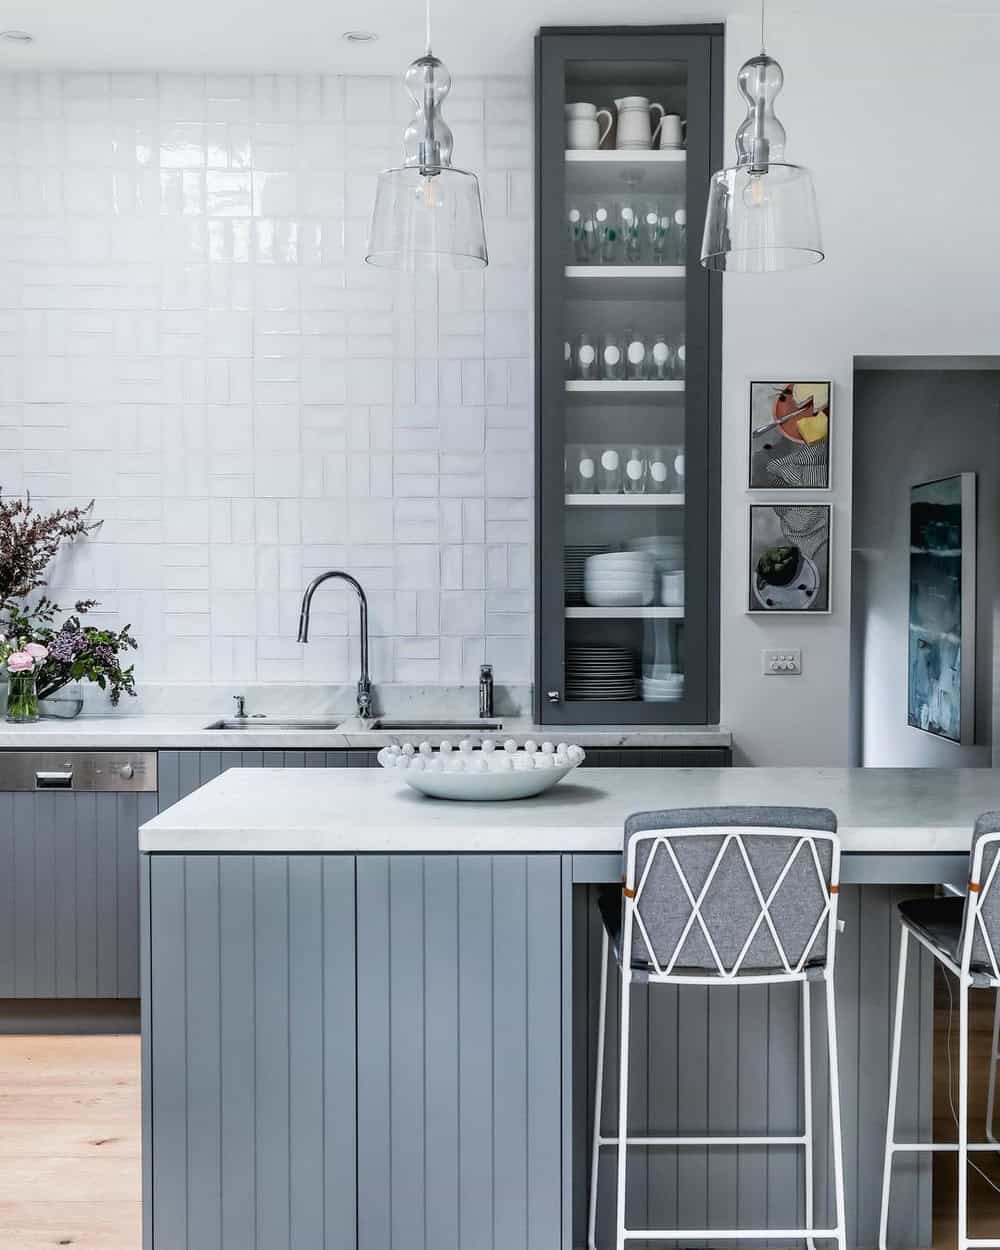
[{"x": 472, "y": 36}]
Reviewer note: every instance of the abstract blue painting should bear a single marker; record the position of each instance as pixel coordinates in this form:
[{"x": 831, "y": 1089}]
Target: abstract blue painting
[{"x": 940, "y": 683}]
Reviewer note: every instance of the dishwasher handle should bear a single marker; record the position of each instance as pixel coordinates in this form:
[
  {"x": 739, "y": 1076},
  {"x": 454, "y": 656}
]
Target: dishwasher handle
[{"x": 53, "y": 780}]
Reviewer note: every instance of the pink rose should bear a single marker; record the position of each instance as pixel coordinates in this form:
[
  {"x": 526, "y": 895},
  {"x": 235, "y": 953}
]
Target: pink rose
[
  {"x": 20, "y": 662},
  {"x": 36, "y": 651}
]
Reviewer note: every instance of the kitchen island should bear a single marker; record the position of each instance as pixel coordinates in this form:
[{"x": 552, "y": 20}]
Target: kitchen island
[{"x": 368, "y": 1016}]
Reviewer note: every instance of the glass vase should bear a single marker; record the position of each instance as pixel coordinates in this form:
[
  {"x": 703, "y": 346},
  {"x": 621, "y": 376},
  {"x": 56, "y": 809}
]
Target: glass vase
[{"x": 22, "y": 698}]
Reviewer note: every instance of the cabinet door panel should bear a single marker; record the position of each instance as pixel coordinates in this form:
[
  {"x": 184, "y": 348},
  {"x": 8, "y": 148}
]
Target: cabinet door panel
[
  {"x": 250, "y": 1131},
  {"x": 461, "y": 961}
]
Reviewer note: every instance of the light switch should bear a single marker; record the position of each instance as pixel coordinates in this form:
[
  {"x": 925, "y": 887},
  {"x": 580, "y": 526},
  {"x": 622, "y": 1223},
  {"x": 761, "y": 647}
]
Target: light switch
[{"x": 784, "y": 663}]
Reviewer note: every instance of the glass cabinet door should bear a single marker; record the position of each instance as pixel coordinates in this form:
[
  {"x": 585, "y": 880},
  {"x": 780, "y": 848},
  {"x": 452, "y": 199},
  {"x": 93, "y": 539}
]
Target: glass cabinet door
[{"x": 627, "y": 379}]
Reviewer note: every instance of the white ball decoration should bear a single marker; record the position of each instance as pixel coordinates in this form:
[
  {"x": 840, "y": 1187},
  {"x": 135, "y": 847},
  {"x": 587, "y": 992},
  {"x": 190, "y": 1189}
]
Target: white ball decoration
[
  {"x": 445, "y": 748},
  {"x": 418, "y": 763},
  {"x": 548, "y": 748},
  {"x": 402, "y": 761},
  {"x": 575, "y": 753},
  {"x": 465, "y": 746},
  {"x": 409, "y": 748},
  {"x": 425, "y": 748},
  {"x": 488, "y": 746},
  {"x": 510, "y": 746},
  {"x": 395, "y": 749},
  {"x": 530, "y": 747},
  {"x": 562, "y": 748},
  {"x": 521, "y": 762},
  {"x": 544, "y": 761}
]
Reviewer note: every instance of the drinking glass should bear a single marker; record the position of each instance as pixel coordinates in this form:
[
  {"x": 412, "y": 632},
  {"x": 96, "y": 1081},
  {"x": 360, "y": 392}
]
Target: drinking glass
[
  {"x": 576, "y": 232},
  {"x": 679, "y": 360},
  {"x": 567, "y": 360},
  {"x": 660, "y": 358},
  {"x": 581, "y": 471},
  {"x": 675, "y": 463},
  {"x": 612, "y": 357},
  {"x": 656, "y": 224},
  {"x": 606, "y": 232},
  {"x": 635, "y": 355},
  {"x": 679, "y": 232},
  {"x": 657, "y": 471},
  {"x": 634, "y": 479},
  {"x": 630, "y": 231},
  {"x": 609, "y": 472},
  {"x": 586, "y": 358}
]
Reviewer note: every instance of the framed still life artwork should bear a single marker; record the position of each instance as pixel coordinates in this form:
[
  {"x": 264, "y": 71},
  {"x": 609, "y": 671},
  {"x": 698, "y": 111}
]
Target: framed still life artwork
[
  {"x": 789, "y": 557},
  {"x": 942, "y": 626},
  {"x": 790, "y": 435}
]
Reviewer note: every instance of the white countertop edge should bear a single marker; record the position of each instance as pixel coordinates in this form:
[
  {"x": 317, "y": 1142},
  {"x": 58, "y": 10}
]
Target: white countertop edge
[
  {"x": 150, "y": 733},
  {"x": 538, "y": 840}
]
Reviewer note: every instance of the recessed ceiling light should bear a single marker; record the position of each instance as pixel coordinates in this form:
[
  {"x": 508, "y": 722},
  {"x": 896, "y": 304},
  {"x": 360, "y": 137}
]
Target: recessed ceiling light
[
  {"x": 360, "y": 36},
  {"x": 17, "y": 36}
]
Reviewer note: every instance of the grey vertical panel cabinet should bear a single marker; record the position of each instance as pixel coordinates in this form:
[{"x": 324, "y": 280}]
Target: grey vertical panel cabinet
[
  {"x": 390, "y": 1064},
  {"x": 69, "y": 893}
]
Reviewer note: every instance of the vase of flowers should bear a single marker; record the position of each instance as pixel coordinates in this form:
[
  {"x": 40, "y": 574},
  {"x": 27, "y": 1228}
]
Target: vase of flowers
[
  {"x": 63, "y": 653},
  {"x": 22, "y": 662}
]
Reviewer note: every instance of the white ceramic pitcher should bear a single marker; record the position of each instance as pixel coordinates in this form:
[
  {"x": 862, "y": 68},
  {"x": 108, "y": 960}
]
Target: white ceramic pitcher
[
  {"x": 635, "y": 128},
  {"x": 583, "y": 126}
]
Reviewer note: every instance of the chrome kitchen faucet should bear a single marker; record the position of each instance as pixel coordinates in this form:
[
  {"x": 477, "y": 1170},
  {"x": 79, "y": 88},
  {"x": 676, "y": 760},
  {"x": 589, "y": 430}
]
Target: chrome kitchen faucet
[{"x": 364, "y": 683}]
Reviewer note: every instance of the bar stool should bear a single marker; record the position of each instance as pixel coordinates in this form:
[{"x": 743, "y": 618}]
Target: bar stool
[
  {"x": 723, "y": 896},
  {"x": 962, "y": 934}
]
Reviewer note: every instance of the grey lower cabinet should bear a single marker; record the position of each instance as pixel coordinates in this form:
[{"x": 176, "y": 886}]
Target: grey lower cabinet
[
  {"x": 354, "y": 1052},
  {"x": 69, "y": 893}
]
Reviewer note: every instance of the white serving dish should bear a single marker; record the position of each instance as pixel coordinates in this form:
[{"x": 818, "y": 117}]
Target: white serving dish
[
  {"x": 486, "y": 787},
  {"x": 474, "y": 783}
]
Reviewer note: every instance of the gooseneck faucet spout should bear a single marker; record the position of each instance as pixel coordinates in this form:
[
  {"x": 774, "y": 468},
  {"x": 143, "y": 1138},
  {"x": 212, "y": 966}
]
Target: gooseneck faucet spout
[{"x": 364, "y": 683}]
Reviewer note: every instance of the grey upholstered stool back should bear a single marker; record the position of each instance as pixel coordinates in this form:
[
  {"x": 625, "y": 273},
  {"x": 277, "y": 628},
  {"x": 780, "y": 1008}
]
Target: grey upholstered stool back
[
  {"x": 982, "y": 904},
  {"x": 724, "y": 891}
]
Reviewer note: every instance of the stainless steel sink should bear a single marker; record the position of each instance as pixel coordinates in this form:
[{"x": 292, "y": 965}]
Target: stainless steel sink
[
  {"x": 276, "y": 722},
  {"x": 436, "y": 726}
]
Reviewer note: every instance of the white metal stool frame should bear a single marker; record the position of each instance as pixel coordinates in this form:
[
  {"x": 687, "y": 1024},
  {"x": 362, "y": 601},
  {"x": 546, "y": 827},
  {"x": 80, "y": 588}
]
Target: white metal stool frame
[
  {"x": 663, "y": 974},
  {"x": 973, "y": 925}
]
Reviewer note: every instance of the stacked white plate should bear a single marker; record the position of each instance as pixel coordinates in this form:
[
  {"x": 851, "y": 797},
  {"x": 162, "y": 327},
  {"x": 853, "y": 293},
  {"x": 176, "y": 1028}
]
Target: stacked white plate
[
  {"x": 575, "y": 557},
  {"x": 663, "y": 689},
  {"x": 601, "y": 673},
  {"x": 619, "y": 579}
]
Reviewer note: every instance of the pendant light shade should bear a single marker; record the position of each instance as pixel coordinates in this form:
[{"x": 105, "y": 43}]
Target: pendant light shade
[
  {"x": 427, "y": 214},
  {"x": 762, "y": 213}
]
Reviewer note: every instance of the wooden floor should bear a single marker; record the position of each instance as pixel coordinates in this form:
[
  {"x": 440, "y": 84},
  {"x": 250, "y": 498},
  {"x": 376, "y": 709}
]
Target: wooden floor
[
  {"x": 70, "y": 1138},
  {"x": 69, "y": 1142}
]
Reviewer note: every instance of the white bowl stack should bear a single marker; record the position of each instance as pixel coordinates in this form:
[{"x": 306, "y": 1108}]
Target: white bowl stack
[
  {"x": 666, "y": 689},
  {"x": 619, "y": 579}
]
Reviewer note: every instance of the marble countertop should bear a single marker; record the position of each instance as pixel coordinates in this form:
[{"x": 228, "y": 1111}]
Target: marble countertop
[
  {"x": 886, "y": 810},
  {"x": 151, "y": 732}
]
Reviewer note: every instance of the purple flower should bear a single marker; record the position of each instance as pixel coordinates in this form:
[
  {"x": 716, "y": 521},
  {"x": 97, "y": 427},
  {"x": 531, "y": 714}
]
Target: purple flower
[{"x": 65, "y": 646}]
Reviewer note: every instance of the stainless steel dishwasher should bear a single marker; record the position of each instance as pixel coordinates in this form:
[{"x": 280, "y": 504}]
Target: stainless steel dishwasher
[{"x": 69, "y": 871}]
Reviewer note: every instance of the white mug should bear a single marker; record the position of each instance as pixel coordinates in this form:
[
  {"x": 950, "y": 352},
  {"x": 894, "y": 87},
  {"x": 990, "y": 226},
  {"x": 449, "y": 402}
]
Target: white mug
[
  {"x": 634, "y": 124},
  {"x": 583, "y": 129},
  {"x": 671, "y": 130}
]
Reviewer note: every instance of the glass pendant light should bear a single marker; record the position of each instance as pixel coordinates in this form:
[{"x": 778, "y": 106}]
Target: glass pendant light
[
  {"x": 427, "y": 213},
  {"x": 762, "y": 213}
]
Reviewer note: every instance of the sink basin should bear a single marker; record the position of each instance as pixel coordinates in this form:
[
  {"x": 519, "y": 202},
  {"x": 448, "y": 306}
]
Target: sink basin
[
  {"x": 277, "y": 722},
  {"x": 437, "y": 726}
]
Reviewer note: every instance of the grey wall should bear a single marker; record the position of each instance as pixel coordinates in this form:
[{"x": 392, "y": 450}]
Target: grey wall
[{"x": 912, "y": 426}]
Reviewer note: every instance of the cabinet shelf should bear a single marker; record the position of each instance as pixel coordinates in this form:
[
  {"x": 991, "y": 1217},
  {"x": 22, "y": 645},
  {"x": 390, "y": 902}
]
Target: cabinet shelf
[
  {"x": 628, "y": 387},
  {"x": 624, "y": 501},
  {"x": 645, "y": 170},
  {"x": 625, "y": 614},
  {"x": 664, "y": 283}
]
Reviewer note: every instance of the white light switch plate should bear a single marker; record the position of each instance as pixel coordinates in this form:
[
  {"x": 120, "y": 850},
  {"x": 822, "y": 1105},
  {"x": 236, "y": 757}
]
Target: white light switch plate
[{"x": 784, "y": 663}]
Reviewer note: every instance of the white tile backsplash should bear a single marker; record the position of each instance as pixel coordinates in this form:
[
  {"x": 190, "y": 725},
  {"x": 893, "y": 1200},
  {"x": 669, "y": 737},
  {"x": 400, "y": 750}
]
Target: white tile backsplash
[{"x": 188, "y": 334}]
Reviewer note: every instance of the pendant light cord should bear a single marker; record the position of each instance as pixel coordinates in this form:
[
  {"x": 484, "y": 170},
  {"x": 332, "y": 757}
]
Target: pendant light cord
[
  {"x": 427, "y": 23},
  {"x": 761, "y": 24}
]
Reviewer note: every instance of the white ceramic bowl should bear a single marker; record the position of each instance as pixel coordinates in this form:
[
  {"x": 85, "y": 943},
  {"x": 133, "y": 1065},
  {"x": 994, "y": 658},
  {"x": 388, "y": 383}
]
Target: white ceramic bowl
[
  {"x": 483, "y": 776},
  {"x": 486, "y": 787}
]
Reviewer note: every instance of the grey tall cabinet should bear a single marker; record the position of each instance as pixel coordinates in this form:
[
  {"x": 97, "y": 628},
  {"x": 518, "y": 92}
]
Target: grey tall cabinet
[{"x": 627, "y": 368}]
